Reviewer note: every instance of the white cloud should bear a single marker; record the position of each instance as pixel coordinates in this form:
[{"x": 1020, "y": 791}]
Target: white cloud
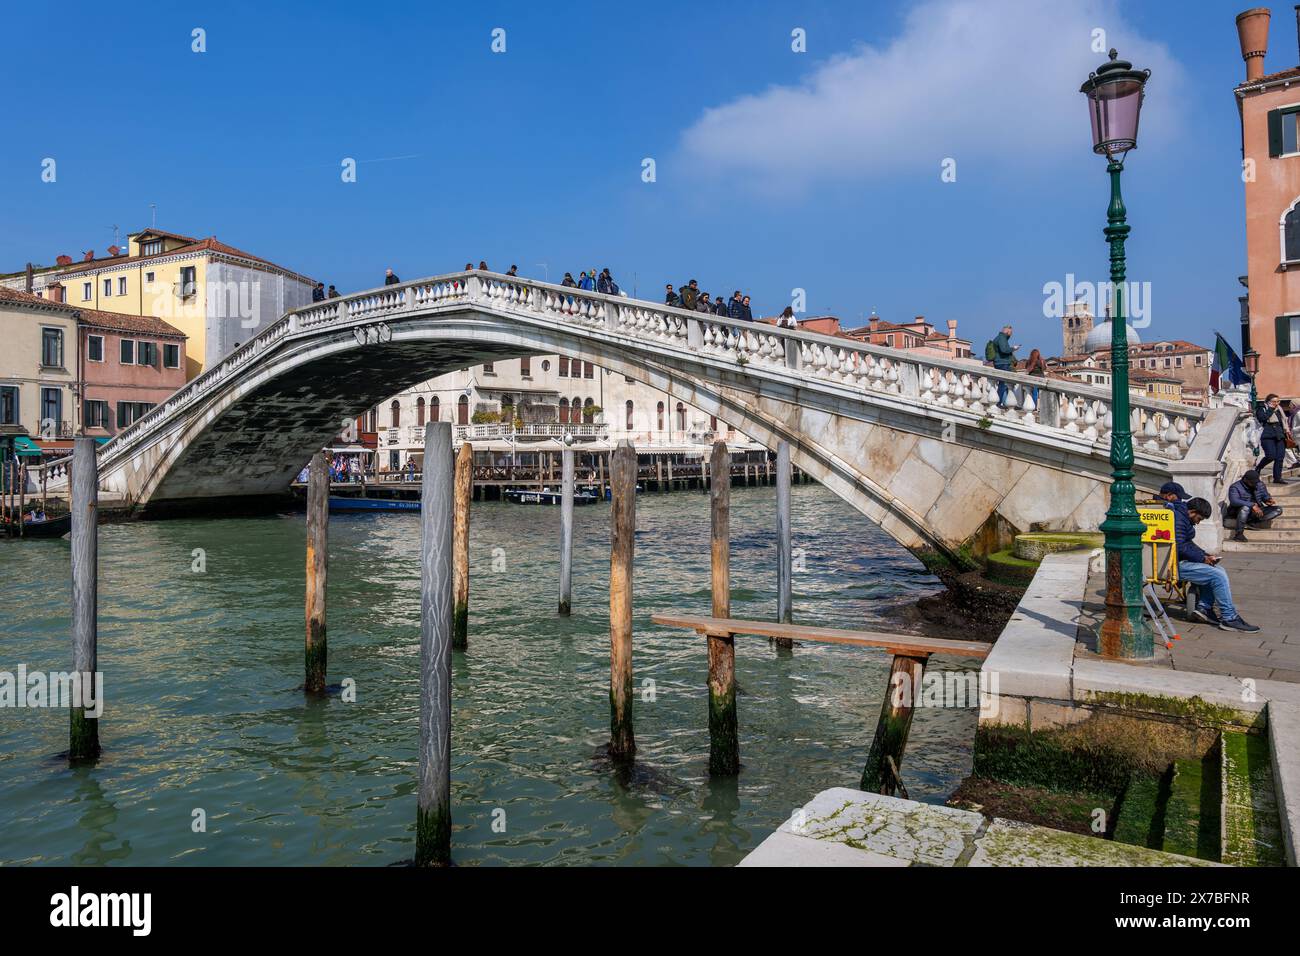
[{"x": 964, "y": 79}]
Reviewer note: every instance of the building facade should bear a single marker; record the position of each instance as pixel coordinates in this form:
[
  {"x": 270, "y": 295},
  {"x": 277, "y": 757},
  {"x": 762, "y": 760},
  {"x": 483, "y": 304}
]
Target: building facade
[
  {"x": 129, "y": 363},
  {"x": 216, "y": 295},
  {"x": 38, "y": 374},
  {"x": 1269, "y": 107}
]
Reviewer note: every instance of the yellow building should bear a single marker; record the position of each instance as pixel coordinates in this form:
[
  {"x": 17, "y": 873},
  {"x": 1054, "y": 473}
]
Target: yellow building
[{"x": 219, "y": 296}]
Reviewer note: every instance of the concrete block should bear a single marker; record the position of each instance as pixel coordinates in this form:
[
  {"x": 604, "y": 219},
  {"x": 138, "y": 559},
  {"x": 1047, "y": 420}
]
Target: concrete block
[
  {"x": 1000, "y": 710},
  {"x": 1012, "y": 843},
  {"x": 888, "y": 826},
  {"x": 787, "y": 849},
  {"x": 1055, "y": 715},
  {"x": 1284, "y": 748},
  {"x": 1097, "y": 681}
]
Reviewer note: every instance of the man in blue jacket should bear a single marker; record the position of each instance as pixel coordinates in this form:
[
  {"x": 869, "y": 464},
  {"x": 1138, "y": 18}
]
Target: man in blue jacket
[
  {"x": 1203, "y": 570},
  {"x": 1250, "y": 502},
  {"x": 1004, "y": 359}
]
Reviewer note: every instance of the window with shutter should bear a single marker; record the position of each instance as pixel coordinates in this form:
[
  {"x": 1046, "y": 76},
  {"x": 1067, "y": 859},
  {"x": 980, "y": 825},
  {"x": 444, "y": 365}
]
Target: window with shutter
[{"x": 1283, "y": 327}]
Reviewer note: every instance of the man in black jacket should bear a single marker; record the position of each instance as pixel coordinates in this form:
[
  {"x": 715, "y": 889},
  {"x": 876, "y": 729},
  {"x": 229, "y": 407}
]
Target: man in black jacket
[
  {"x": 1203, "y": 570},
  {"x": 390, "y": 277}
]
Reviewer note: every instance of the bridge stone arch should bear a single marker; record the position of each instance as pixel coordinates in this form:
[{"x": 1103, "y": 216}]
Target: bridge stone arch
[{"x": 927, "y": 448}]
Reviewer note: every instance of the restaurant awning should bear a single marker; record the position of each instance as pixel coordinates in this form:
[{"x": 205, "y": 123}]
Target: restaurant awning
[{"x": 25, "y": 446}]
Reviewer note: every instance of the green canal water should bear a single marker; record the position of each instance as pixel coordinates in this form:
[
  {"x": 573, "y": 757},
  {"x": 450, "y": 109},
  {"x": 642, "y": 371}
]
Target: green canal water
[{"x": 203, "y": 710}]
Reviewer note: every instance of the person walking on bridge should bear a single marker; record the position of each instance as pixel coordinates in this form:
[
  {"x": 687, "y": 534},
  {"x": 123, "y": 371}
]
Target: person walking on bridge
[
  {"x": 671, "y": 298},
  {"x": 1274, "y": 437},
  {"x": 390, "y": 277},
  {"x": 318, "y": 293},
  {"x": 1002, "y": 354},
  {"x": 1203, "y": 570}
]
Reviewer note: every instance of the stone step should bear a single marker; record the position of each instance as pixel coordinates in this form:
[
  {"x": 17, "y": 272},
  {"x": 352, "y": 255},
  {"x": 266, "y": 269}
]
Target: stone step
[
  {"x": 1270, "y": 547},
  {"x": 1272, "y": 535},
  {"x": 1191, "y": 817}
]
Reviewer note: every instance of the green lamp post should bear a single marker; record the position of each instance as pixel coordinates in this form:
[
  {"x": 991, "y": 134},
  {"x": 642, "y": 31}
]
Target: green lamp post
[
  {"x": 1114, "y": 94},
  {"x": 1251, "y": 364}
]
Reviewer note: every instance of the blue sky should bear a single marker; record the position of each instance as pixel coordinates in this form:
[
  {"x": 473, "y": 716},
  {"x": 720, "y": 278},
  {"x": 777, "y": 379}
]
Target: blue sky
[{"x": 774, "y": 170}]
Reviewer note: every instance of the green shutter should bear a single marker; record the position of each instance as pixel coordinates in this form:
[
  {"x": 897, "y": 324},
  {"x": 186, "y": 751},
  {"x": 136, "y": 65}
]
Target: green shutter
[
  {"x": 1282, "y": 326},
  {"x": 1275, "y": 132}
]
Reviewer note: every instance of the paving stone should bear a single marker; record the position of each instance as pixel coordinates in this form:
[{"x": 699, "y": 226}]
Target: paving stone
[{"x": 1011, "y": 843}]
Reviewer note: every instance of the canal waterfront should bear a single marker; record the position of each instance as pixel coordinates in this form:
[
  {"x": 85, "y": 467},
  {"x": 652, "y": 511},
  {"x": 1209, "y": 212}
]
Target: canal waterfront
[{"x": 203, "y": 710}]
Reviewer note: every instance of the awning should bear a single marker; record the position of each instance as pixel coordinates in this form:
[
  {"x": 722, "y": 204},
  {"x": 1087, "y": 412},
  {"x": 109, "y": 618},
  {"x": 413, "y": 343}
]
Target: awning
[{"x": 25, "y": 446}]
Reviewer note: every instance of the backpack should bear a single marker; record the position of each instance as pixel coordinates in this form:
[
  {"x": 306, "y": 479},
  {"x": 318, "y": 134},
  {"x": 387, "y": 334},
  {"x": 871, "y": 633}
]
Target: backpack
[{"x": 991, "y": 351}]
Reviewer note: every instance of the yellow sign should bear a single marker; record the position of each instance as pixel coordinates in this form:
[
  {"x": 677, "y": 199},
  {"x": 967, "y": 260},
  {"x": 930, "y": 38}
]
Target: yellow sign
[{"x": 1160, "y": 525}]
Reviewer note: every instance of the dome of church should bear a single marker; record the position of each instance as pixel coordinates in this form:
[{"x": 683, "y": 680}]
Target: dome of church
[{"x": 1099, "y": 337}]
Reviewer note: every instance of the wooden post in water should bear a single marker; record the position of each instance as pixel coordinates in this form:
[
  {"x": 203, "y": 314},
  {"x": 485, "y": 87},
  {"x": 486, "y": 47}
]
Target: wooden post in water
[
  {"x": 600, "y": 476},
  {"x": 22, "y": 497},
  {"x": 566, "y": 533},
  {"x": 885, "y": 758},
  {"x": 84, "y": 494},
  {"x": 622, "y": 473},
  {"x": 670, "y": 474},
  {"x": 784, "y": 552},
  {"x": 433, "y": 802},
  {"x": 659, "y": 474},
  {"x": 318, "y": 523},
  {"x": 464, "y": 490},
  {"x": 724, "y": 744}
]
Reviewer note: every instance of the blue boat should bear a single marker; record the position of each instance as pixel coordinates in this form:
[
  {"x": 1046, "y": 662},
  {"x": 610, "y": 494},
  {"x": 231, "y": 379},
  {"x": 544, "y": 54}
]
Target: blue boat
[
  {"x": 340, "y": 503},
  {"x": 546, "y": 497}
]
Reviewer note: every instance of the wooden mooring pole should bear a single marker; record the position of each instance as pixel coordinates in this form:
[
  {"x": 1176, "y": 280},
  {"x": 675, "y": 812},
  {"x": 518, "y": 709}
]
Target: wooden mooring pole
[
  {"x": 84, "y": 731},
  {"x": 433, "y": 802},
  {"x": 318, "y": 523},
  {"x": 724, "y": 743},
  {"x": 566, "y": 534},
  {"x": 464, "y": 492},
  {"x": 885, "y": 759},
  {"x": 622, "y": 471},
  {"x": 784, "y": 552}
]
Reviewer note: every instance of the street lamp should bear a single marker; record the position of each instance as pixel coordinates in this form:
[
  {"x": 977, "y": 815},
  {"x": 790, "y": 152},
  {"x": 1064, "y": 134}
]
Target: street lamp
[
  {"x": 1251, "y": 362},
  {"x": 1115, "y": 94}
]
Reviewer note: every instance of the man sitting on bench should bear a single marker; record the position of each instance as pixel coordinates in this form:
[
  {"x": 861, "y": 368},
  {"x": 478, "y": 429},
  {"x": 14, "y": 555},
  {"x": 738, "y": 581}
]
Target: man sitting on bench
[
  {"x": 1250, "y": 503},
  {"x": 1201, "y": 569}
]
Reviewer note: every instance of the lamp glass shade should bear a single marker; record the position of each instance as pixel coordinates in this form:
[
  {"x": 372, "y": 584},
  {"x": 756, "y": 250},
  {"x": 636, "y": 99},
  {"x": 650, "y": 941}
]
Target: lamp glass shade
[
  {"x": 1115, "y": 94},
  {"x": 1251, "y": 362}
]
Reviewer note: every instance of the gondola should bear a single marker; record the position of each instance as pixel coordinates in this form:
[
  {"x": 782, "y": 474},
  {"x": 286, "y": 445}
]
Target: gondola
[{"x": 55, "y": 527}]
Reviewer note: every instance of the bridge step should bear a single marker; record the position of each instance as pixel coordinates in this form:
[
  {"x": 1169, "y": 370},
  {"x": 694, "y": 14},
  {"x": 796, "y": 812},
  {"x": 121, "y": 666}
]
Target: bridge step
[{"x": 1272, "y": 547}]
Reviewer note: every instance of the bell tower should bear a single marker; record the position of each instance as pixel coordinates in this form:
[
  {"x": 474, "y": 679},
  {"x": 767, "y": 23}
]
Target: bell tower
[{"x": 1075, "y": 326}]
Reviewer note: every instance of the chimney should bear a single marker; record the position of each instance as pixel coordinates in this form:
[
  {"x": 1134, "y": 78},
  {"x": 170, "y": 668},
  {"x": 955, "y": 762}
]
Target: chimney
[
  {"x": 88, "y": 255},
  {"x": 28, "y": 282},
  {"x": 1252, "y": 31},
  {"x": 952, "y": 329}
]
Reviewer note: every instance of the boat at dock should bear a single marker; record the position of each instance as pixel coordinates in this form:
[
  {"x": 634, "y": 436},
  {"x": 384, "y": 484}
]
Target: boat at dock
[
  {"x": 546, "y": 497},
  {"x": 55, "y": 527},
  {"x": 342, "y": 504}
]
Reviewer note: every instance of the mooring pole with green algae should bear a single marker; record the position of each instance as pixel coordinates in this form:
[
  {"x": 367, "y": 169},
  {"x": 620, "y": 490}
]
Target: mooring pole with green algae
[
  {"x": 724, "y": 743},
  {"x": 433, "y": 805},
  {"x": 622, "y": 474},
  {"x": 784, "y": 553},
  {"x": 566, "y": 531},
  {"x": 464, "y": 492},
  {"x": 885, "y": 759},
  {"x": 84, "y": 731},
  {"x": 318, "y": 523}
]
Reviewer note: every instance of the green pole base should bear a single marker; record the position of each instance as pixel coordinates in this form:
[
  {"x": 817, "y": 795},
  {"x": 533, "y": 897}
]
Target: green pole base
[
  {"x": 315, "y": 665},
  {"x": 83, "y": 738},
  {"x": 432, "y": 837},
  {"x": 460, "y": 627},
  {"x": 724, "y": 738}
]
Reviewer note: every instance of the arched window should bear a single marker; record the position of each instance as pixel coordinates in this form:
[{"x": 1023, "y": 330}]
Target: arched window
[
  {"x": 1291, "y": 234},
  {"x": 681, "y": 417},
  {"x": 435, "y": 409},
  {"x": 587, "y": 413},
  {"x": 564, "y": 411},
  {"x": 462, "y": 410},
  {"x": 713, "y": 423},
  {"x": 395, "y": 410},
  {"x": 659, "y": 414},
  {"x": 419, "y": 412},
  {"x": 629, "y": 414},
  {"x": 507, "y": 410}
]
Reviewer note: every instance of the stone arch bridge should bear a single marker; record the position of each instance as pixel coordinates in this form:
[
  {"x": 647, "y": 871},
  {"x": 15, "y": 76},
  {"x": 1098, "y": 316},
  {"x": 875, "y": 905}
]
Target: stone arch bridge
[{"x": 923, "y": 446}]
